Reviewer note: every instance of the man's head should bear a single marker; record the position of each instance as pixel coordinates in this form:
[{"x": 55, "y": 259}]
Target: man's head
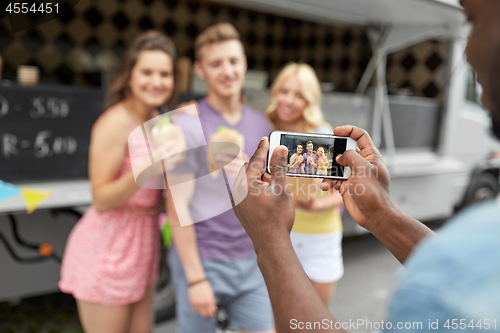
[
  {"x": 221, "y": 60},
  {"x": 309, "y": 147},
  {"x": 483, "y": 52}
]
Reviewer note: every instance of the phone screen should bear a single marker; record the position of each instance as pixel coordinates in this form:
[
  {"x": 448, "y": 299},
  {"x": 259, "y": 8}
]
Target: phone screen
[{"x": 315, "y": 156}]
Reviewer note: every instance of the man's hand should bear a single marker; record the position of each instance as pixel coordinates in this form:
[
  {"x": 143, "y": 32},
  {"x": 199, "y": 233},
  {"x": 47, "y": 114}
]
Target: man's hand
[
  {"x": 367, "y": 199},
  {"x": 366, "y": 192},
  {"x": 202, "y": 299},
  {"x": 267, "y": 215},
  {"x": 267, "y": 211}
]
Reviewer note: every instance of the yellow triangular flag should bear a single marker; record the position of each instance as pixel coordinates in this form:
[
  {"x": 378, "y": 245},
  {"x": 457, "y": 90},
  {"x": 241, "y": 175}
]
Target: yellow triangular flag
[{"x": 33, "y": 198}]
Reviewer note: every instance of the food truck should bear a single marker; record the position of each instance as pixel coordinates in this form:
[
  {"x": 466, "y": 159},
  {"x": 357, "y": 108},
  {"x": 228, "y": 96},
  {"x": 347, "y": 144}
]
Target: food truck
[{"x": 441, "y": 156}]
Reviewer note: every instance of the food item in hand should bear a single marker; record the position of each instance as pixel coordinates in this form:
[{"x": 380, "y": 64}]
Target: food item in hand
[
  {"x": 169, "y": 143},
  {"x": 322, "y": 163},
  {"x": 165, "y": 131},
  {"x": 227, "y": 135}
]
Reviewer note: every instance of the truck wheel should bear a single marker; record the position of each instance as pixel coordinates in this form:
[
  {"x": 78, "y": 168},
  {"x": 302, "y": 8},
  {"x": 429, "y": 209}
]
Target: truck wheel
[
  {"x": 164, "y": 303},
  {"x": 485, "y": 188}
]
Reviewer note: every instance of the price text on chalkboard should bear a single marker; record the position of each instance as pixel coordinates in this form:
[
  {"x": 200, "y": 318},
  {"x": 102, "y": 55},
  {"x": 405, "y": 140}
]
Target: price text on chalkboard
[{"x": 45, "y": 131}]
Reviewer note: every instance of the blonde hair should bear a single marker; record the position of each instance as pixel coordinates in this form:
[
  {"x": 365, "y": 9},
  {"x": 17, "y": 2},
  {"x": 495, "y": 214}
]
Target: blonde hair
[
  {"x": 312, "y": 117},
  {"x": 219, "y": 32}
]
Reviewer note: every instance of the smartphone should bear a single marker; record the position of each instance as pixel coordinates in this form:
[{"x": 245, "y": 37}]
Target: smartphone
[{"x": 312, "y": 155}]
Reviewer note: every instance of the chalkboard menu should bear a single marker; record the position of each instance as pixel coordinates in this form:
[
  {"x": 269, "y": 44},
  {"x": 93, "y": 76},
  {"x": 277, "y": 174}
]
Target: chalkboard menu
[{"x": 45, "y": 131}]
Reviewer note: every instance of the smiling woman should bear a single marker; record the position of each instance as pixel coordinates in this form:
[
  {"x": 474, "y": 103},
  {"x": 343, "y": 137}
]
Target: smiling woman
[
  {"x": 111, "y": 258},
  {"x": 152, "y": 80},
  {"x": 294, "y": 105},
  {"x": 136, "y": 65}
]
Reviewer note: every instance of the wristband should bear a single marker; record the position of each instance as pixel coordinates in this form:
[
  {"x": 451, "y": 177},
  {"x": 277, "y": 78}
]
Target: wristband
[{"x": 190, "y": 284}]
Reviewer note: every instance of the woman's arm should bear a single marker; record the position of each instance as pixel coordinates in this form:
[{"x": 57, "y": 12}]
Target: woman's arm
[
  {"x": 320, "y": 163},
  {"x": 325, "y": 162},
  {"x": 107, "y": 148}
]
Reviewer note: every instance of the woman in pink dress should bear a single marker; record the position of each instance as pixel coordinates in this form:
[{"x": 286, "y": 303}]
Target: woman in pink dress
[
  {"x": 296, "y": 161},
  {"x": 111, "y": 258}
]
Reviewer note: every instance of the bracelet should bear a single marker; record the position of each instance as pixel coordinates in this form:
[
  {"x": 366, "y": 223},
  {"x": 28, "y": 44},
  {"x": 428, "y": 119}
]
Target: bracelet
[{"x": 190, "y": 284}]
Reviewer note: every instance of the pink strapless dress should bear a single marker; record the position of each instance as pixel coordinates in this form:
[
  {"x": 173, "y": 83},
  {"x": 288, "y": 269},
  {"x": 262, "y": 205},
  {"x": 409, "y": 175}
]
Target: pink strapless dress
[{"x": 111, "y": 257}]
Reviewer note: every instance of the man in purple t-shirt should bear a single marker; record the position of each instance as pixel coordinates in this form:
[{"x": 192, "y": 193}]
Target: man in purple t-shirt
[
  {"x": 310, "y": 159},
  {"x": 213, "y": 262}
]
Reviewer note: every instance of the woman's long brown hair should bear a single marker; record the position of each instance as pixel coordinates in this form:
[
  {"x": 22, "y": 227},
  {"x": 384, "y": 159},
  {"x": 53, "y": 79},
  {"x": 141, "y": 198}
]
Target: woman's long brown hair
[{"x": 148, "y": 41}]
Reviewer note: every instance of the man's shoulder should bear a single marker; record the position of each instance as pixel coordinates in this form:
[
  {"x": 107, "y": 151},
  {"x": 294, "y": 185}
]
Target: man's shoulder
[
  {"x": 188, "y": 123},
  {"x": 323, "y": 129},
  {"x": 452, "y": 273},
  {"x": 192, "y": 129},
  {"x": 463, "y": 238},
  {"x": 252, "y": 110}
]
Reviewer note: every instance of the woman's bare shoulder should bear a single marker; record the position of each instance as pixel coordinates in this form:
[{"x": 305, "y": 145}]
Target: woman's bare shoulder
[
  {"x": 116, "y": 117},
  {"x": 113, "y": 123}
]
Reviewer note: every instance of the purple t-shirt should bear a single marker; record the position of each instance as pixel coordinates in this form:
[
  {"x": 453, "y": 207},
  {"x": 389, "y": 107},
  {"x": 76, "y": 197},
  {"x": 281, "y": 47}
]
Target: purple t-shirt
[
  {"x": 309, "y": 169},
  {"x": 222, "y": 237}
]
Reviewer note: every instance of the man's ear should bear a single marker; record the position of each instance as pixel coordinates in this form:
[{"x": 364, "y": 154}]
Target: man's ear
[{"x": 198, "y": 68}]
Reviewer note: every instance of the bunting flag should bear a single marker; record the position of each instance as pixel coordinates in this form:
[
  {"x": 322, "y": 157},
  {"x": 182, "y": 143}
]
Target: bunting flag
[
  {"x": 33, "y": 198},
  {"x": 8, "y": 190}
]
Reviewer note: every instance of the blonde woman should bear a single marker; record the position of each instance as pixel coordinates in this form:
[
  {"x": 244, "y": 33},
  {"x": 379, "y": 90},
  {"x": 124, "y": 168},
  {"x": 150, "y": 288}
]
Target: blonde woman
[
  {"x": 322, "y": 162},
  {"x": 294, "y": 105}
]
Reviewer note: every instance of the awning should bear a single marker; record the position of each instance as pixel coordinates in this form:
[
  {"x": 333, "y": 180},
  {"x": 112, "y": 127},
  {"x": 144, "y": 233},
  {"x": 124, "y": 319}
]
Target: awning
[{"x": 409, "y": 21}]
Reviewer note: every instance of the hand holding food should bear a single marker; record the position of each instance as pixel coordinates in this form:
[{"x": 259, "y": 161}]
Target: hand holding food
[
  {"x": 169, "y": 143},
  {"x": 321, "y": 163},
  {"x": 222, "y": 152}
]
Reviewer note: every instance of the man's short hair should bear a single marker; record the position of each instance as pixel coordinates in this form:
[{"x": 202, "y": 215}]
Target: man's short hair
[
  {"x": 219, "y": 32},
  {"x": 309, "y": 142}
]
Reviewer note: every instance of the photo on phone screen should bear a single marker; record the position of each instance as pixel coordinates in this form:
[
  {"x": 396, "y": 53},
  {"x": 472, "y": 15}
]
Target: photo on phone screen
[{"x": 314, "y": 155}]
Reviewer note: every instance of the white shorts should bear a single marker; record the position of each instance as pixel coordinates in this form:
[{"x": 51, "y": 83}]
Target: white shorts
[
  {"x": 320, "y": 255},
  {"x": 322, "y": 173}
]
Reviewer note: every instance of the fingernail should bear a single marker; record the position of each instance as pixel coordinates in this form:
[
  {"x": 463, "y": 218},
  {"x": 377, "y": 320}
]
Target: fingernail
[
  {"x": 283, "y": 155},
  {"x": 263, "y": 138},
  {"x": 338, "y": 157}
]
